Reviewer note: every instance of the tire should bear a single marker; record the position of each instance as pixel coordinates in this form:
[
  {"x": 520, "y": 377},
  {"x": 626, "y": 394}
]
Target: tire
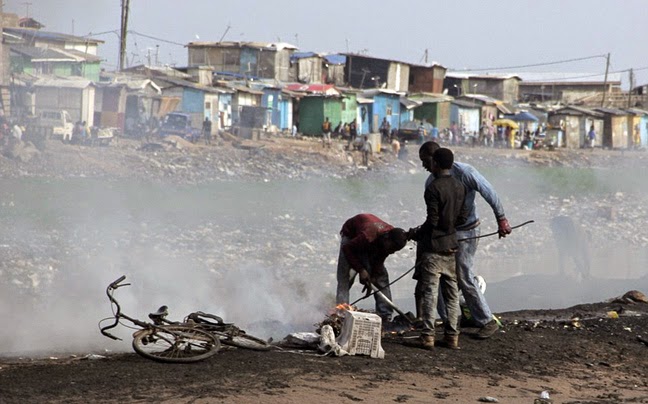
[
  {"x": 244, "y": 341},
  {"x": 175, "y": 344}
]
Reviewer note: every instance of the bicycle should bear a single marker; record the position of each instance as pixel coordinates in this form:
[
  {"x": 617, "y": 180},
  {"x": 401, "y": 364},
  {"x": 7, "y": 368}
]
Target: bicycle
[
  {"x": 227, "y": 333},
  {"x": 171, "y": 343}
]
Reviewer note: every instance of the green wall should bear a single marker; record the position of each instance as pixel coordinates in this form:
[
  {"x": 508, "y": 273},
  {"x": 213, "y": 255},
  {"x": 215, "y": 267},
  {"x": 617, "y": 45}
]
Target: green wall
[{"x": 313, "y": 110}]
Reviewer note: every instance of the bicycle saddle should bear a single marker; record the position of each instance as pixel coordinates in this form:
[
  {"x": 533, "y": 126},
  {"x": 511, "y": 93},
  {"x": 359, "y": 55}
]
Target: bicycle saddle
[{"x": 162, "y": 312}]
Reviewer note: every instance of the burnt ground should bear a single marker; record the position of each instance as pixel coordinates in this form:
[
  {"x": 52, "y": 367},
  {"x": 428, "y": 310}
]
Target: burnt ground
[{"x": 578, "y": 355}]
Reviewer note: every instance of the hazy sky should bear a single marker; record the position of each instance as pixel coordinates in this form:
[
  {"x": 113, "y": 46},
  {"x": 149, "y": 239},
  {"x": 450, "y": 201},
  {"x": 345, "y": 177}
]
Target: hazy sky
[{"x": 458, "y": 34}]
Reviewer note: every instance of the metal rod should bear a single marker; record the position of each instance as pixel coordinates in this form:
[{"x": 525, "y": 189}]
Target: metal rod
[{"x": 412, "y": 268}]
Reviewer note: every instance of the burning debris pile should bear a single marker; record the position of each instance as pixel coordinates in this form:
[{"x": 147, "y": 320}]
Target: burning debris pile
[{"x": 335, "y": 319}]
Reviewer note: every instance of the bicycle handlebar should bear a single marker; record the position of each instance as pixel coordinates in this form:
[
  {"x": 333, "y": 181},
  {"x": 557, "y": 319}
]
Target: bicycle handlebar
[{"x": 114, "y": 285}]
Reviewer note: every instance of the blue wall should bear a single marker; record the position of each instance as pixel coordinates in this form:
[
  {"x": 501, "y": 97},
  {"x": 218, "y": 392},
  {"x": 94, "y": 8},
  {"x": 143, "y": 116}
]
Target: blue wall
[
  {"x": 285, "y": 107},
  {"x": 383, "y": 103},
  {"x": 270, "y": 100},
  {"x": 193, "y": 100},
  {"x": 364, "y": 126}
]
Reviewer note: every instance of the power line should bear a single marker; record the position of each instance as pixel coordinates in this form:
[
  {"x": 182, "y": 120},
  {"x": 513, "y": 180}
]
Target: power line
[
  {"x": 156, "y": 39},
  {"x": 588, "y": 75},
  {"x": 534, "y": 64}
]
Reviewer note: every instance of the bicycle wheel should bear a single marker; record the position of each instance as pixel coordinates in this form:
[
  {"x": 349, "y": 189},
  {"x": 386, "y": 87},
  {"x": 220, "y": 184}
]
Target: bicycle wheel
[
  {"x": 244, "y": 341},
  {"x": 175, "y": 344}
]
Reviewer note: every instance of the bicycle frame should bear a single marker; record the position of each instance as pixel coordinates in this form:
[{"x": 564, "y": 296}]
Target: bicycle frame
[{"x": 119, "y": 315}]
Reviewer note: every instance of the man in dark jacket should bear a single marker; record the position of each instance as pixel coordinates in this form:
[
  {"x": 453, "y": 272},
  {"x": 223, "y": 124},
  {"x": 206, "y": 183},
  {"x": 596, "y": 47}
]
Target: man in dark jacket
[
  {"x": 366, "y": 243},
  {"x": 474, "y": 183},
  {"x": 437, "y": 241}
]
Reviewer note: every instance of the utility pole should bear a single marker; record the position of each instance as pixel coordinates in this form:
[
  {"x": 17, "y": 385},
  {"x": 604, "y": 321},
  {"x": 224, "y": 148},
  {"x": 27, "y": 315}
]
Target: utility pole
[
  {"x": 225, "y": 33},
  {"x": 125, "y": 5},
  {"x": 630, "y": 89},
  {"x": 426, "y": 56},
  {"x": 27, "y": 4},
  {"x": 607, "y": 69}
]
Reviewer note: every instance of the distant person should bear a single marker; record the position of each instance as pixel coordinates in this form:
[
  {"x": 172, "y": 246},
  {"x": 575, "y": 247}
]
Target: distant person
[
  {"x": 367, "y": 151},
  {"x": 338, "y": 129},
  {"x": 326, "y": 133},
  {"x": 83, "y": 132},
  {"x": 294, "y": 130},
  {"x": 474, "y": 183},
  {"x": 572, "y": 244},
  {"x": 17, "y": 132},
  {"x": 421, "y": 133},
  {"x": 403, "y": 153},
  {"x": 437, "y": 244},
  {"x": 395, "y": 146},
  {"x": 510, "y": 137},
  {"x": 385, "y": 129},
  {"x": 207, "y": 130},
  {"x": 366, "y": 242},
  {"x": 591, "y": 136},
  {"x": 434, "y": 133},
  {"x": 353, "y": 133}
]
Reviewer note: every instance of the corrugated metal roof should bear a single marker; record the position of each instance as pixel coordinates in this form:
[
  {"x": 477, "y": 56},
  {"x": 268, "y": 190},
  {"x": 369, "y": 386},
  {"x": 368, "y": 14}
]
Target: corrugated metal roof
[
  {"x": 429, "y": 98},
  {"x": 326, "y": 89},
  {"x": 232, "y": 44},
  {"x": 358, "y": 55},
  {"x": 189, "y": 84},
  {"x": 50, "y": 36},
  {"x": 481, "y": 97},
  {"x": 637, "y": 111},
  {"x": 481, "y": 76},
  {"x": 363, "y": 100},
  {"x": 465, "y": 104},
  {"x": 576, "y": 110},
  {"x": 335, "y": 59},
  {"x": 375, "y": 91},
  {"x": 69, "y": 82},
  {"x": 41, "y": 54},
  {"x": 409, "y": 104},
  {"x": 611, "y": 111}
]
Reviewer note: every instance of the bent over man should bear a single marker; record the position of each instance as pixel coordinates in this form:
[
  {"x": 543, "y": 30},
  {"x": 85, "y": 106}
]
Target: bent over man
[{"x": 366, "y": 243}]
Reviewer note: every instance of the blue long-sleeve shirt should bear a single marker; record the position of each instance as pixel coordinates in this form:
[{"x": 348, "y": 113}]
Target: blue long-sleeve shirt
[{"x": 474, "y": 182}]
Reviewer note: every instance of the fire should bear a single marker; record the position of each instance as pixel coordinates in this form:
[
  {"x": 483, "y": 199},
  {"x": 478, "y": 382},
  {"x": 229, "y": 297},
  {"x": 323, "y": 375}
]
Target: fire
[{"x": 340, "y": 308}]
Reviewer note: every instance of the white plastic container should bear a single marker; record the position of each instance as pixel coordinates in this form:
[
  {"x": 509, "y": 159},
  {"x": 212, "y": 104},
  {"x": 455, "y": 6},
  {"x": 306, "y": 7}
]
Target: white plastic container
[{"x": 361, "y": 333}]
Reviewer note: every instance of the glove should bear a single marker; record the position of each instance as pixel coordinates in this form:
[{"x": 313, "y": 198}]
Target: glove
[
  {"x": 412, "y": 233},
  {"x": 503, "y": 227},
  {"x": 364, "y": 277}
]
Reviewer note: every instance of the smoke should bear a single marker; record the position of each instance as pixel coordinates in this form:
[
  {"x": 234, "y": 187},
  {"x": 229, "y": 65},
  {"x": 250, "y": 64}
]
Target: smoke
[{"x": 263, "y": 255}]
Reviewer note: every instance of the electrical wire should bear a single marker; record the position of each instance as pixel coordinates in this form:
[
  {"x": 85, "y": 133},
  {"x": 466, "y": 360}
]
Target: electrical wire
[
  {"x": 156, "y": 39},
  {"x": 534, "y": 64}
]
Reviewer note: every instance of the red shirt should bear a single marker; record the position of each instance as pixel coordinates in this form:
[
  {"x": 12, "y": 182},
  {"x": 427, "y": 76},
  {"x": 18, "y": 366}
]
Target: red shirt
[{"x": 363, "y": 230}]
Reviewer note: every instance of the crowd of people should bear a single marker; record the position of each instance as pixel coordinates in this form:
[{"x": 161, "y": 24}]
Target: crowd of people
[{"x": 446, "y": 245}]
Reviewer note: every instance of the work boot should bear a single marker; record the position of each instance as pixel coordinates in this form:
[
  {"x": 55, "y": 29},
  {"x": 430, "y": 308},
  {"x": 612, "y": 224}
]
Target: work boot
[
  {"x": 427, "y": 342},
  {"x": 450, "y": 341},
  {"x": 487, "y": 330}
]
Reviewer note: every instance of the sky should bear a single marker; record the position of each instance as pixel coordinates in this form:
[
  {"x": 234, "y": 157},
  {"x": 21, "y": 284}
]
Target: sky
[{"x": 467, "y": 34}]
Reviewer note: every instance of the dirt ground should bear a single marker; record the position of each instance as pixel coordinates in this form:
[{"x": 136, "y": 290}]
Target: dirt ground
[
  {"x": 591, "y": 359},
  {"x": 175, "y": 160},
  {"x": 577, "y": 355}
]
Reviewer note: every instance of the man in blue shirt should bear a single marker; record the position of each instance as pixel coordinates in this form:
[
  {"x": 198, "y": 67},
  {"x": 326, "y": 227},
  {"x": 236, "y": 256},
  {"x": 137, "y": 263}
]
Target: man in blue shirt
[{"x": 474, "y": 182}]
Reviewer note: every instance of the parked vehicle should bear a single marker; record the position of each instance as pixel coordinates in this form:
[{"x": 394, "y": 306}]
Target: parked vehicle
[
  {"x": 410, "y": 131},
  {"x": 179, "y": 124},
  {"x": 55, "y": 124}
]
